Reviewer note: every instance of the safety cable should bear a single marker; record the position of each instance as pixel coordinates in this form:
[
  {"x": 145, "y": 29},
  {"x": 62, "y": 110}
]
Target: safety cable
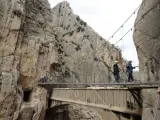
[
  {"x": 136, "y": 24},
  {"x": 116, "y": 31},
  {"x": 155, "y": 5}
]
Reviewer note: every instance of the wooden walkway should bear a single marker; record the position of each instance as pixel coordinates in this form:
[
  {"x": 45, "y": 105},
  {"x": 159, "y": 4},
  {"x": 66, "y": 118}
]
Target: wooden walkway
[
  {"x": 122, "y": 100},
  {"x": 137, "y": 85},
  {"x": 116, "y": 97}
]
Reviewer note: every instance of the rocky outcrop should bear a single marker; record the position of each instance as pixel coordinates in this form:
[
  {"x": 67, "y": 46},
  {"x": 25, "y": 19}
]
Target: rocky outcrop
[
  {"x": 35, "y": 39},
  {"x": 86, "y": 56},
  {"x": 26, "y": 52},
  {"x": 146, "y": 39},
  {"x": 82, "y": 113}
]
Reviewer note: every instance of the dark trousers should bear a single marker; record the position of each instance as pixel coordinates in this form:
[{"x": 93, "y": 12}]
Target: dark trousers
[
  {"x": 116, "y": 77},
  {"x": 130, "y": 77},
  {"x": 44, "y": 80}
]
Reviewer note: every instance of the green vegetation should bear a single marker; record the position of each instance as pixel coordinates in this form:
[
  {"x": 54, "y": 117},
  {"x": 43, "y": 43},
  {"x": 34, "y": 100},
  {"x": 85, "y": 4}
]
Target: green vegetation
[
  {"x": 85, "y": 24},
  {"x": 78, "y": 48},
  {"x": 91, "y": 46},
  {"x": 80, "y": 29},
  {"x": 71, "y": 33},
  {"x": 81, "y": 21},
  {"x": 68, "y": 33},
  {"x": 96, "y": 59},
  {"x": 18, "y": 13},
  {"x": 111, "y": 57},
  {"x": 77, "y": 18}
]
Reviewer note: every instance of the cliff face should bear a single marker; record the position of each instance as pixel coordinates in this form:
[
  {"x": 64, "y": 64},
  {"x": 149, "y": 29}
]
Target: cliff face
[
  {"x": 26, "y": 51},
  {"x": 146, "y": 39},
  {"x": 86, "y": 56},
  {"x": 35, "y": 39}
]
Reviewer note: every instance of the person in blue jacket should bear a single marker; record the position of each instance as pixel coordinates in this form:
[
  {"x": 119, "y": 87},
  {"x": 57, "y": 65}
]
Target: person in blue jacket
[
  {"x": 43, "y": 79},
  {"x": 129, "y": 70},
  {"x": 116, "y": 71}
]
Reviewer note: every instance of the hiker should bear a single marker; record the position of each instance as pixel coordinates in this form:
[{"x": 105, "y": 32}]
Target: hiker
[
  {"x": 129, "y": 70},
  {"x": 116, "y": 71},
  {"x": 44, "y": 79}
]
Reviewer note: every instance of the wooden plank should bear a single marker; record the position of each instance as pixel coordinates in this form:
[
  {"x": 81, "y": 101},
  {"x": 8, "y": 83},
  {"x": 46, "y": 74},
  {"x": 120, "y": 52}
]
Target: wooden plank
[
  {"x": 97, "y": 97},
  {"x": 105, "y": 96},
  {"x": 118, "y": 100},
  {"x": 112, "y": 96},
  {"x": 115, "y": 97},
  {"x": 82, "y": 96},
  {"x": 100, "y": 99},
  {"x": 103, "y": 93},
  {"x": 122, "y": 98},
  {"x": 103, "y": 102},
  {"x": 86, "y": 95},
  {"x": 75, "y": 92},
  {"x": 109, "y": 97}
]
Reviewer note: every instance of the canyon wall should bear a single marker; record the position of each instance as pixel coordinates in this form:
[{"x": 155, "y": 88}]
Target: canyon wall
[
  {"x": 86, "y": 56},
  {"x": 36, "y": 40},
  {"x": 146, "y": 38}
]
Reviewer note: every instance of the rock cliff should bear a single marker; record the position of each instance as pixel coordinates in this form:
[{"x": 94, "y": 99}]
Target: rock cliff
[
  {"x": 86, "y": 56},
  {"x": 36, "y": 40},
  {"x": 146, "y": 39}
]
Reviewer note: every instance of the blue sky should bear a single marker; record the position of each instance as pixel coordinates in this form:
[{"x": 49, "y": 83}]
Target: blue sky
[{"x": 105, "y": 17}]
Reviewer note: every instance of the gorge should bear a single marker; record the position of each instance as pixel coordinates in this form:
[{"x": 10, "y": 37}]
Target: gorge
[{"x": 36, "y": 40}]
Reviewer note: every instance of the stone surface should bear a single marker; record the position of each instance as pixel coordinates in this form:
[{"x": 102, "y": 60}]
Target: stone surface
[
  {"x": 146, "y": 39},
  {"x": 23, "y": 34},
  {"x": 77, "y": 112},
  {"x": 35, "y": 39},
  {"x": 86, "y": 56}
]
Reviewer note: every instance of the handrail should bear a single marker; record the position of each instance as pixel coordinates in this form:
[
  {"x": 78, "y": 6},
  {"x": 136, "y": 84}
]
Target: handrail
[{"x": 125, "y": 84}]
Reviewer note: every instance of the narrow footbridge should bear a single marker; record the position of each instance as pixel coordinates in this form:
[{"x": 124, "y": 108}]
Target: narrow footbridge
[{"x": 117, "y": 97}]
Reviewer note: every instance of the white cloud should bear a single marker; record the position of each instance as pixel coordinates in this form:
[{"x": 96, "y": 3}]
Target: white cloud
[{"x": 105, "y": 17}]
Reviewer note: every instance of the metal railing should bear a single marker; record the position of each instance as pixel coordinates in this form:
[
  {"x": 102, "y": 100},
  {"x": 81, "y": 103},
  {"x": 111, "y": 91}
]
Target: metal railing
[{"x": 84, "y": 85}]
